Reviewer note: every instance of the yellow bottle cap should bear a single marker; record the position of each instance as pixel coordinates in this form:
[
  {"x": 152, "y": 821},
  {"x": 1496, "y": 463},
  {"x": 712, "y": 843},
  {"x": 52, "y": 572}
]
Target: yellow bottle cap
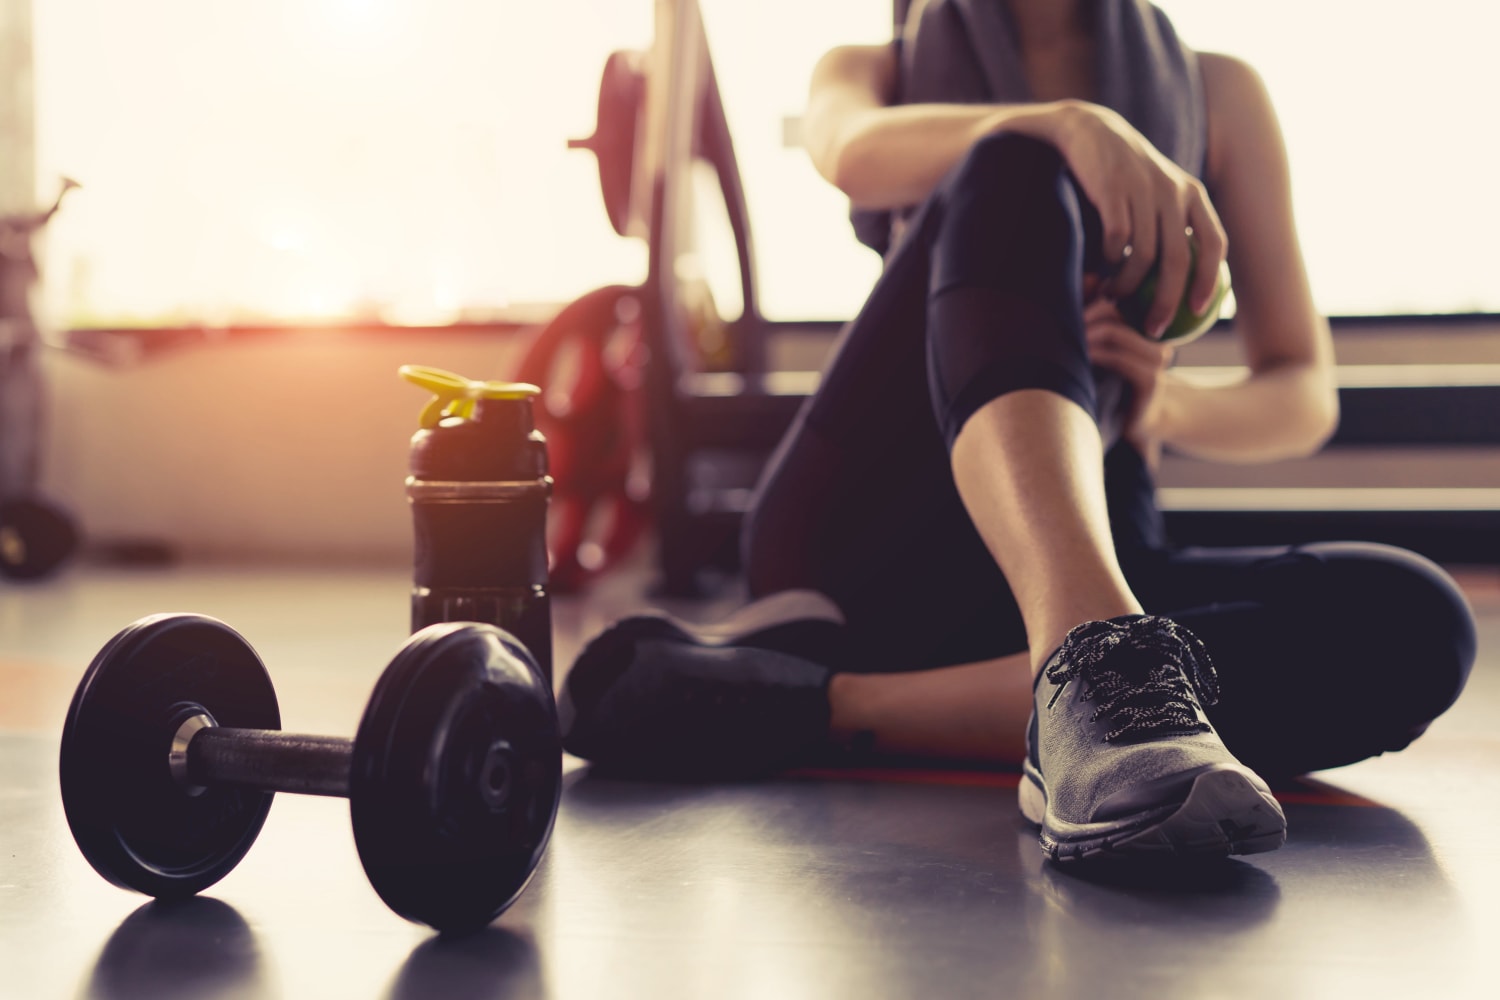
[{"x": 455, "y": 396}]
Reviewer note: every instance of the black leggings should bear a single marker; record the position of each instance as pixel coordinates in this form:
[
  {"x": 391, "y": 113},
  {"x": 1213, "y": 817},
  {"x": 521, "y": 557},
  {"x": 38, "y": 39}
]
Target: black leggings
[{"x": 1328, "y": 653}]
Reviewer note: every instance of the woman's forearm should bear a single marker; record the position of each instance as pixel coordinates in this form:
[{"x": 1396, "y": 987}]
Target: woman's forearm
[
  {"x": 895, "y": 156},
  {"x": 1288, "y": 411}
]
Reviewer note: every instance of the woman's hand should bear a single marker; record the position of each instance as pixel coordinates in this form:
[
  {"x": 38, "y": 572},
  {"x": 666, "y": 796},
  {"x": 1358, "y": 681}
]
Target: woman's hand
[
  {"x": 1114, "y": 345},
  {"x": 1147, "y": 205}
]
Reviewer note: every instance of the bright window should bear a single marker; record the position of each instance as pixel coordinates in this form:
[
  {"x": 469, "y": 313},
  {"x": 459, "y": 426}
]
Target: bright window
[
  {"x": 405, "y": 160},
  {"x": 1389, "y": 114},
  {"x": 1387, "y": 109},
  {"x": 400, "y": 160}
]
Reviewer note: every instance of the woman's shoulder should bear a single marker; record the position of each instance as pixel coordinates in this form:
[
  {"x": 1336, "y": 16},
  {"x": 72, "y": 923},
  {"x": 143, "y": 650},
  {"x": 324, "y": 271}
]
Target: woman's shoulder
[
  {"x": 1230, "y": 81},
  {"x": 1239, "y": 106}
]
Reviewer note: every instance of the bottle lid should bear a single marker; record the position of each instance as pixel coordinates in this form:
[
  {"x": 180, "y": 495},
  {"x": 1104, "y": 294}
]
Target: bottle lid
[{"x": 456, "y": 396}]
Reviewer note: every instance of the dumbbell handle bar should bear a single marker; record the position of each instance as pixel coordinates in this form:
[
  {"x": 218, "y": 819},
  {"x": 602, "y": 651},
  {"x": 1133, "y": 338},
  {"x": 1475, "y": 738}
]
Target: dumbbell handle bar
[{"x": 267, "y": 759}]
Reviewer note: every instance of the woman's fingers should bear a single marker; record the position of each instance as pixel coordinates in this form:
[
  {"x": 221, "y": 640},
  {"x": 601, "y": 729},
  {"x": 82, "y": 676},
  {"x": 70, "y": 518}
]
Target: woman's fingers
[
  {"x": 1115, "y": 224},
  {"x": 1142, "y": 246},
  {"x": 1213, "y": 247},
  {"x": 1105, "y": 327},
  {"x": 1113, "y": 345},
  {"x": 1119, "y": 348},
  {"x": 1097, "y": 311},
  {"x": 1173, "y": 261},
  {"x": 1141, "y": 371},
  {"x": 1180, "y": 247},
  {"x": 1146, "y": 205}
]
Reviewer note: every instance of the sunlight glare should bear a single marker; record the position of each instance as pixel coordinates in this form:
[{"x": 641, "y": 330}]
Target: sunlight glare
[{"x": 406, "y": 160}]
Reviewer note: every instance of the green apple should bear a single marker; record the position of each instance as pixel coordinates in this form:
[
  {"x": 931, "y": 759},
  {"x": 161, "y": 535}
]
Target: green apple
[{"x": 1186, "y": 324}]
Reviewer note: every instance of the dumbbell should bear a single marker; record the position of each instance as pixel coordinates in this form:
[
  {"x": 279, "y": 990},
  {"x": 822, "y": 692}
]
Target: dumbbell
[
  {"x": 173, "y": 749},
  {"x": 35, "y": 538}
]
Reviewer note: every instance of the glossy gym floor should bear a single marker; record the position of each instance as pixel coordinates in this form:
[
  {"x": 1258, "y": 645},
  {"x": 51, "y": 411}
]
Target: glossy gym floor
[{"x": 893, "y": 884}]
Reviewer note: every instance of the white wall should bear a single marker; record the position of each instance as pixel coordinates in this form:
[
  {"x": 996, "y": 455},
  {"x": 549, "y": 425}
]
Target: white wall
[{"x": 283, "y": 446}]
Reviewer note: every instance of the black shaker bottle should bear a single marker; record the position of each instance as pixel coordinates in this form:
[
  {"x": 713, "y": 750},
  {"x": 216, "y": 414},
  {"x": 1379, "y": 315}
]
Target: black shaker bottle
[{"x": 478, "y": 489}]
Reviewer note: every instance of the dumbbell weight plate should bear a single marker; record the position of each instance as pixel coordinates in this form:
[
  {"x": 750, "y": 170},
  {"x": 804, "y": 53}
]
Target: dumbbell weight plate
[
  {"x": 133, "y": 822},
  {"x": 35, "y": 538},
  {"x": 456, "y": 775}
]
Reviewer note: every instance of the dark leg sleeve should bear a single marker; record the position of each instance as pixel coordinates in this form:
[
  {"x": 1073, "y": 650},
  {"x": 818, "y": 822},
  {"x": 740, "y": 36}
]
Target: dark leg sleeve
[
  {"x": 1328, "y": 653},
  {"x": 981, "y": 298},
  {"x": 858, "y": 501},
  {"x": 1005, "y": 298}
]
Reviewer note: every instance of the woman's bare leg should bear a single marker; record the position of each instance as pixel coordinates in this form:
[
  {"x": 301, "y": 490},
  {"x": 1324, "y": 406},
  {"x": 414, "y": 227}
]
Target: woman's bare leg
[
  {"x": 1030, "y": 469},
  {"x": 976, "y": 712}
]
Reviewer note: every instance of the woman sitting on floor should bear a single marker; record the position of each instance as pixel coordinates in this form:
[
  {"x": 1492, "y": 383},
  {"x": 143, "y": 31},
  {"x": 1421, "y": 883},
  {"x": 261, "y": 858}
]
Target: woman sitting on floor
[{"x": 956, "y": 551}]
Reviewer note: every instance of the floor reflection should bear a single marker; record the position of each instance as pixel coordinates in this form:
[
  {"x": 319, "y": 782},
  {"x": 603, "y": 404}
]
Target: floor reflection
[
  {"x": 494, "y": 963},
  {"x": 802, "y": 890},
  {"x": 1158, "y": 928},
  {"x": 1222, "y": 892},
  {"x": 190, "y": 948},
  {"x": 770, "y": 882}
]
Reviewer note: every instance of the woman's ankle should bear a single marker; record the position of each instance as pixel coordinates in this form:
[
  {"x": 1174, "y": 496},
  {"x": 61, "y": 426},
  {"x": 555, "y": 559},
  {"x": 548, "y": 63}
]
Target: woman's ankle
[{"x": 845, "y": 721}]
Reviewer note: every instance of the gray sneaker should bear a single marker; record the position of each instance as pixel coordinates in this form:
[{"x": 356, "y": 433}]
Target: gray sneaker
[{"x": 1121, "y": 758}]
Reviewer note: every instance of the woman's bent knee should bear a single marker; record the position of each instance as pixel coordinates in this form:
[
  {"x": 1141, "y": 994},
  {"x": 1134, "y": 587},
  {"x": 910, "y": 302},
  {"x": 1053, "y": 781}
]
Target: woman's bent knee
[
  {"x": 1004, "y": 308},
  {"x": 1010, "y": 155},
  {"x": 1411, "y": 623},
  {"x": 1012, "y": 219}
]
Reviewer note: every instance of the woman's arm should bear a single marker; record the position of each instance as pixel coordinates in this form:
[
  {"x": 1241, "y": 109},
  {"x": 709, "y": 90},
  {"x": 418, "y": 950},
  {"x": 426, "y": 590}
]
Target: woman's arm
[
  {"x": 885, "y": 157},
  {"x": 1287, "y": 406},
  {"x": 890, "y": 157}
]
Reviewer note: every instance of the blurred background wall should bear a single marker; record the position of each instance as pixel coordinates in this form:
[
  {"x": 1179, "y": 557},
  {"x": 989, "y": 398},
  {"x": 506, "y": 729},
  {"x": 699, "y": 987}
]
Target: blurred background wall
[{"x": 305, "y": 195}]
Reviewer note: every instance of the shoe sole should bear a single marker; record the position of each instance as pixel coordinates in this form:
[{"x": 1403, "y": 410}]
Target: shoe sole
[{"x": 1224, "y": 812}]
